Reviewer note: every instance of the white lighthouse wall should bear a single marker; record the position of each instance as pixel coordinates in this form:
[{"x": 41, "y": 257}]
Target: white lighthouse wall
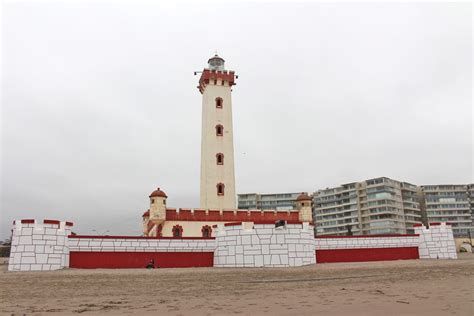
[{"x": 211, "y": 173}]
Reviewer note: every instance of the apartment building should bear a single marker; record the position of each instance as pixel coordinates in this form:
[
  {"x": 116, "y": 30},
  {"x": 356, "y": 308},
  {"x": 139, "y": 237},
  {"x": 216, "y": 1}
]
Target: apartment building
[
  {"x": 471, "y": 202},
  {"x": 374, "y": 206},
  {"x": 272, "y": 201},
  {"x": 451, "y": 203}
]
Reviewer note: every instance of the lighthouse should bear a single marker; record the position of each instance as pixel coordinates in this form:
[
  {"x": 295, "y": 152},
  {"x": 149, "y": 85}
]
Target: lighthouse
[{"x": 217, "y": 189}]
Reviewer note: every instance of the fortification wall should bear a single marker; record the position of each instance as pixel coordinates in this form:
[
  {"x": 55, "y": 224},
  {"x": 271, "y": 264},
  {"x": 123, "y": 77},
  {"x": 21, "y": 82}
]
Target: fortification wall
[
  {"x": 137, "y": 252},
  {"x": 366, "y": 248},
  {"x": 39, "y": 246},
  {"x": 49, "y": 246},
  {"x": 257, "y": 245},
  {"x": 436, "y": 242}
]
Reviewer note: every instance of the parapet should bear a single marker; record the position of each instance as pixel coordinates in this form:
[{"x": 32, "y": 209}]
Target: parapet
[
  {"x": 39, "y": 246},
  {"x": 257, "y": 216},
  {"x": 208, "y": 75}
]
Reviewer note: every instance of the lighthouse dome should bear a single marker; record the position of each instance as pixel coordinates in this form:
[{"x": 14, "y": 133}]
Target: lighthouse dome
[{"x": 216, "y": 63}]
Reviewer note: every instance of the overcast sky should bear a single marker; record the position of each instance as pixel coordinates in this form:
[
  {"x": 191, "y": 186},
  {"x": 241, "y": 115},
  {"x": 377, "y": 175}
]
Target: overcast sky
[{"x": 100, "y": 106}]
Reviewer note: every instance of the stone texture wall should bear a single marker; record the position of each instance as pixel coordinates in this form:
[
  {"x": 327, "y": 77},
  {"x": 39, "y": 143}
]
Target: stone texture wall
[
  {"x": 48, "y": 246},
  {"x": 436, "y": 242},
  {"x": 257, "y": 245},
  {"x": 39, "y": 246},
  {"x": 366, "y": 248},
  {"x": 139, "y": 244},
  {"x": 115, "y": 252},
  {"x": 358, "y": 242}
]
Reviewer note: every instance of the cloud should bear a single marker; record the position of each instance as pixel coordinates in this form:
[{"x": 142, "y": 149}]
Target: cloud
[{"x": 100, "y": 104}]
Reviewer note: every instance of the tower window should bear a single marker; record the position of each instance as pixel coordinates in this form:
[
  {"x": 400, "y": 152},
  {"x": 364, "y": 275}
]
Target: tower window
[
  {"x": 220, "y": 158},
  {"x": 206, "y": 231},
  {"x": 219, "y": 103},
  {"x": 219, "y": 130},
  {"x": 220, "y": 188},
  {"x": 177, "y": 231},
  {"x": 152, "y": 201}
]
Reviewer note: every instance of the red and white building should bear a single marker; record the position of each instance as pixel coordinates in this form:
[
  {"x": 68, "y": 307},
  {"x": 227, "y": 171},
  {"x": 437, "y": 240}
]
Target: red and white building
[
  {"x": 161, "y": 221},
  {"x": 217, "y": 192}
]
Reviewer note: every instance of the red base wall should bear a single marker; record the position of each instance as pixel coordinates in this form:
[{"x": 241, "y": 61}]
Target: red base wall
[
  {"x": 122, "y": 260},
  {"x": 366, "y": 254}
]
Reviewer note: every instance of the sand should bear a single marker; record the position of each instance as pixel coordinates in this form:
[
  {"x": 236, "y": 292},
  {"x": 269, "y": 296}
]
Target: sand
[{"x": 409, "y": 287}]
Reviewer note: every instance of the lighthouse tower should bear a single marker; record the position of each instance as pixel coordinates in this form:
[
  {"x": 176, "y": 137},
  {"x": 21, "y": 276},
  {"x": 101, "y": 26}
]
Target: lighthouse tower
[{"x": 217, "y": 144}]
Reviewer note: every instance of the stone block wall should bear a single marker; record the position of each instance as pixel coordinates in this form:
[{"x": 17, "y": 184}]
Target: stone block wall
[
  {"x": 139, "y": 244},
  {"x": 120, "y": 252},
  {"x": 257, "y": 245},
  {"x": 39, "y": 246},
  {"x": 366, "y": 248},
  {"x": 358, "y": 242},
  {"x": 49, "y": 246},
  {"x": 436, "y": 242}
]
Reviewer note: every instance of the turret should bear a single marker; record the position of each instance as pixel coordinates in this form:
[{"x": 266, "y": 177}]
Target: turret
[
  {"x": 157, "y": 206},
  {"x": 304, "y": 206}
]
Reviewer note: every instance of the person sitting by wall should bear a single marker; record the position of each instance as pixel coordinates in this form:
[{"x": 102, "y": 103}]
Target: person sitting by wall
[{"x": 151, "y": 264}]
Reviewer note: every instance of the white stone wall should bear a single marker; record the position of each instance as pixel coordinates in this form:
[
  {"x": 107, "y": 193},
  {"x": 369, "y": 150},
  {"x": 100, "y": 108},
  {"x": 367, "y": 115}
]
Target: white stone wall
[
  {"x": 127, "y": 244},
  {"x": 39, "y": 247},
  {"x": 263, "y": 245},
  {"x": 436, "y": 242},
  {"x": 355, "y": 242},
  {"x": 46, "y": 246}
]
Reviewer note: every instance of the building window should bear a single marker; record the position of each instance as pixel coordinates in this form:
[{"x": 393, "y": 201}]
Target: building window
[
  {"x": 219, "y": 103},
  {"x": 220, "y": 158},
  {"x": 206, "y": 231},
  {"x": 152, "y": 201},
  {"x": 177, "y": 231},
  {"x": 219, "y": 130},
  {"x": 220, "y": 188}
]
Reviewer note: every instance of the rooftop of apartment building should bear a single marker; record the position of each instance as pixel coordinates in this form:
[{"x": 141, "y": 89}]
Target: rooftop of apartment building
[
  {"x": 278, "y": 201},
  {"x": 446, "y": 187},
  {"x": 269, "y": 195},
  {"x": 370, "y": 182}
]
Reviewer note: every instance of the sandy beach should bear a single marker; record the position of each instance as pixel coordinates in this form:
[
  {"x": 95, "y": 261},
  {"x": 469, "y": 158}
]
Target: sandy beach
[{"x": 411, "y": 287}]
